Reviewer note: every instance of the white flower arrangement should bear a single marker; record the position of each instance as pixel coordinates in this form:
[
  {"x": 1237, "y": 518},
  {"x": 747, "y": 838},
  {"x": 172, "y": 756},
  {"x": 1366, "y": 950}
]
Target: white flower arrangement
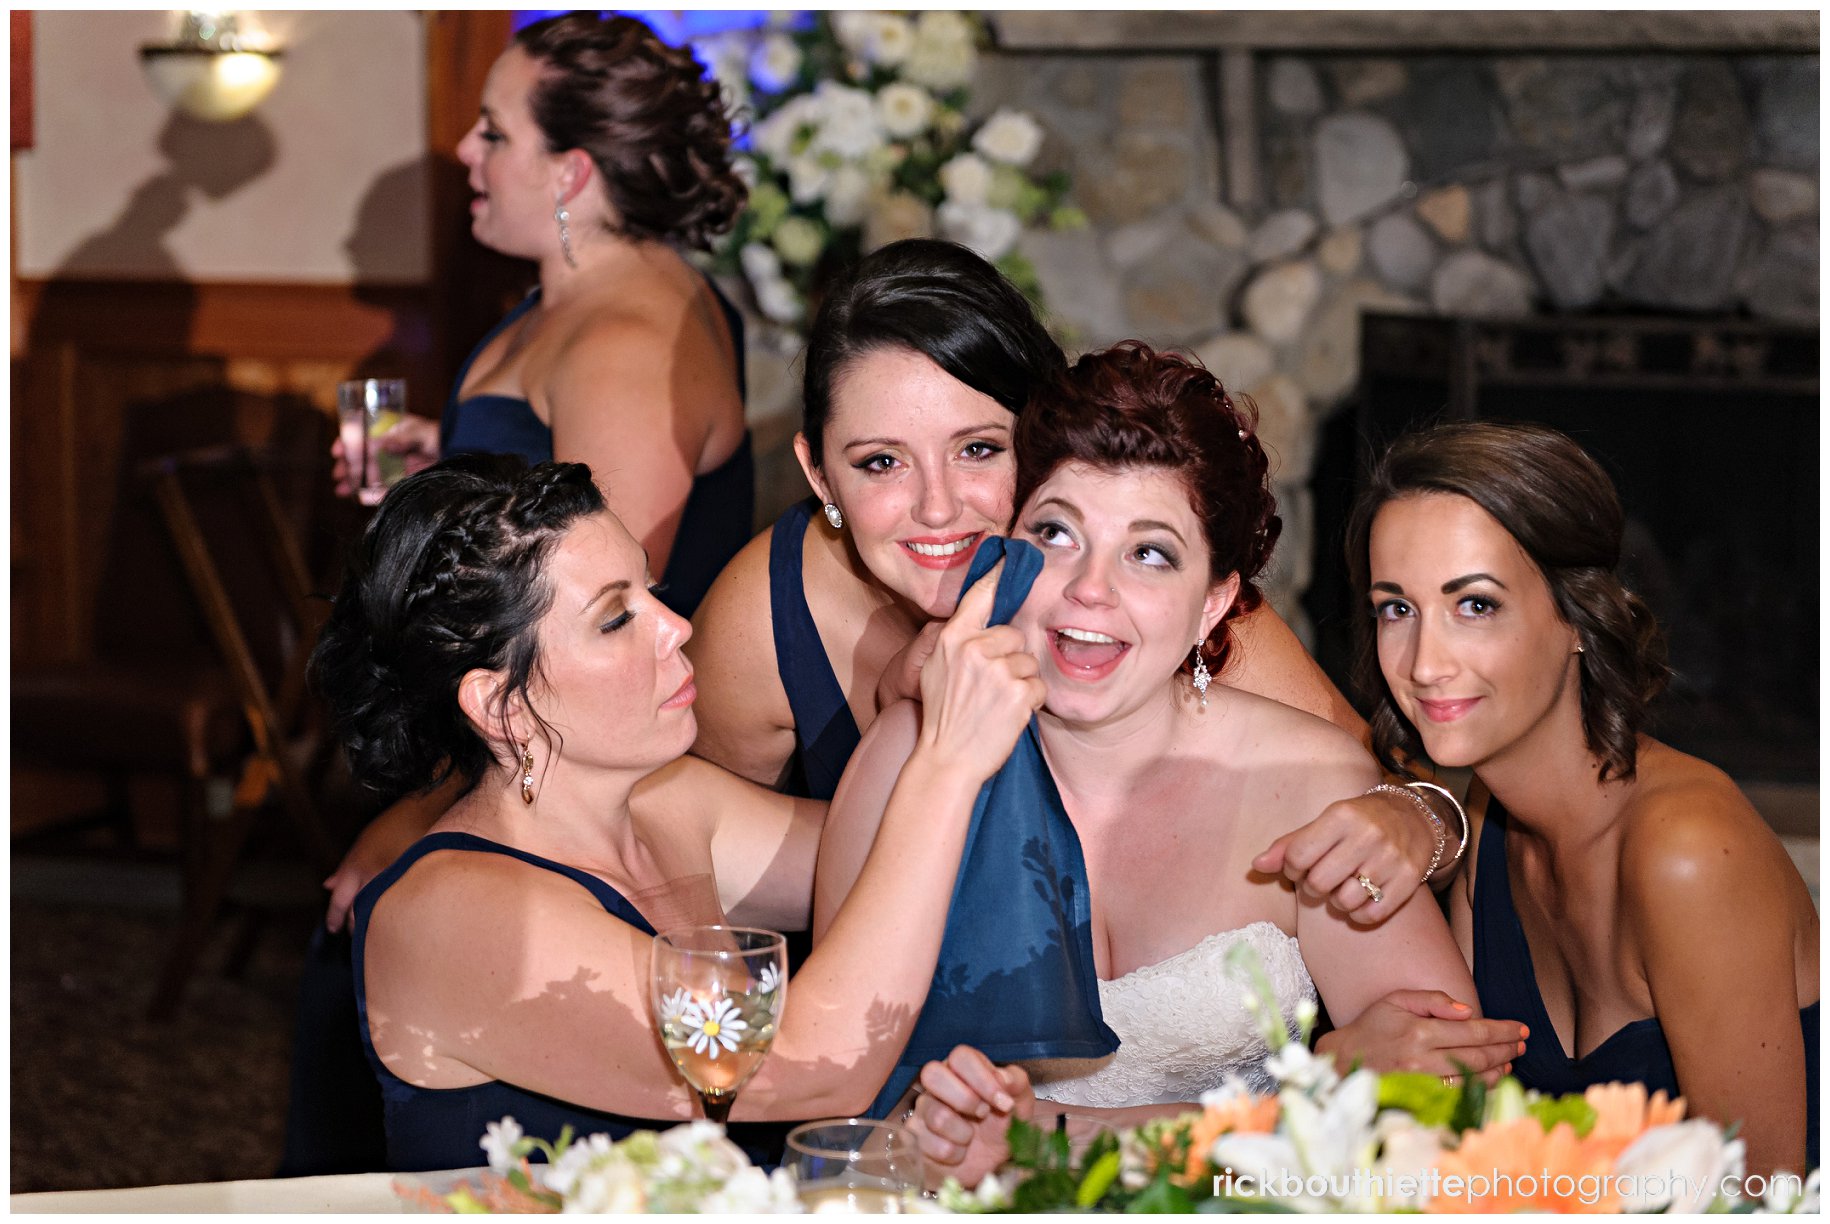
[
  {"x": 859, "y": 137},
  {"x": 689, "y": 1168}
]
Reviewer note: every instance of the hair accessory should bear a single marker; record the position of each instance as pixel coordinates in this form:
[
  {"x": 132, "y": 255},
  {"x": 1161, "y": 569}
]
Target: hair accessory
[
  {"x": 565, "y": 244},
  {"x": 1372, "y": 890},
  {"x": 527, "y": 774},
  {"x": 834, "y": 516},
  {"x": 1201, "y": 678}
]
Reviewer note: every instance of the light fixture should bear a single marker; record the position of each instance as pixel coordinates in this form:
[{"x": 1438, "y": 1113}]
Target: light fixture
[{"x": 218, "y": 67}]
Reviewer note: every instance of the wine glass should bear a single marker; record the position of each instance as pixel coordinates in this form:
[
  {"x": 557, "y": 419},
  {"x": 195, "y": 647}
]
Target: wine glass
[
  {"x": 718, "y": 994},
  {"x": 854, "y": 1165}
]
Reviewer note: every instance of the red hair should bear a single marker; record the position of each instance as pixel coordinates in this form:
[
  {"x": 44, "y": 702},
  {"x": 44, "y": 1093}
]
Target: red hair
[{"x": 1131, "y": 406}]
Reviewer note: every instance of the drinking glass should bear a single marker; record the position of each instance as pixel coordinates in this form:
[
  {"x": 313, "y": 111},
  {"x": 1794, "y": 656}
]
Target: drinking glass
[
  {"x": 718, "y": 994},
  {"x": 366, "y": 409},
  {"x": 854, "y": 1165}
]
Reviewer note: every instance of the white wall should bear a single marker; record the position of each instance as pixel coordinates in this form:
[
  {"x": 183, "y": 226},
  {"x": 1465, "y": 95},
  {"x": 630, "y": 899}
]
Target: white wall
[{"x": 97, "y": 196}]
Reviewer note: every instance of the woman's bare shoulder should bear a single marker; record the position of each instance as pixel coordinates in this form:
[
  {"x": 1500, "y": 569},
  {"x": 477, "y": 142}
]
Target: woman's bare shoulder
[{"x": 1687, "y": 826}]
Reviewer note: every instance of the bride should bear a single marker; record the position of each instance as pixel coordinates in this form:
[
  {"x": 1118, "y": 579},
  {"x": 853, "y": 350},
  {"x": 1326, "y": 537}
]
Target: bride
[{"x": 1144, "y": 487}]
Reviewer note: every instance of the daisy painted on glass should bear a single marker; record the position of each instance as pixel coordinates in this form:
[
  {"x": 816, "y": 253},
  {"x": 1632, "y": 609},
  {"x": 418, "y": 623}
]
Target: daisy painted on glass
[{"x": 718, "y": 993}]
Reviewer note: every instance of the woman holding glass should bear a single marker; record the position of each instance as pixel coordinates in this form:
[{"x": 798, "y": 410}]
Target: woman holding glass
[
  {"x": 498, "y": 624},
  {"x": 599, "y": 152}
]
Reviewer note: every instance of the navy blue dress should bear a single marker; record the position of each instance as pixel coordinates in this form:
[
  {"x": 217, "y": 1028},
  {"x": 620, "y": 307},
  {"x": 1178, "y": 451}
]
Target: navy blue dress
[
  {"x": 1016, "y": 976},
  {"x": 824, "y": 731},
  {"x": 1508, "y": 988},
  {"x": 439, "y": 1128},
  {"x": 719, "y": 508}
]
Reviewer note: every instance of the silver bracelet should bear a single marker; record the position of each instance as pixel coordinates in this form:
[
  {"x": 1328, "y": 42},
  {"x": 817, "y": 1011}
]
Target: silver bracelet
[
  {"x": 1429, "y": 814},
  {"x": 1455, "y": 807}
]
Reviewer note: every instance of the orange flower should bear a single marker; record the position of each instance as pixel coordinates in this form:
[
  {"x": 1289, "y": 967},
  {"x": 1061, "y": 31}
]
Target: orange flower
[
  {"x": 1518, "y": 1166},
  {"x": 1623, "y": 1114},
  {"x": 1243, "y": 1114}
]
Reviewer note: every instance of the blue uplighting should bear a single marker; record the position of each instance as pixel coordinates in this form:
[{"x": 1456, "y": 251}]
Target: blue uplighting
[{"x": 679, "y": 26}]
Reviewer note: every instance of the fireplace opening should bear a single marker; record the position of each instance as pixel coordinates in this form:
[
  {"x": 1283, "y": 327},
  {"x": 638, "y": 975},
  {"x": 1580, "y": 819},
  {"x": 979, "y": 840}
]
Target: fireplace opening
[{"x": 1709, "y": 430}]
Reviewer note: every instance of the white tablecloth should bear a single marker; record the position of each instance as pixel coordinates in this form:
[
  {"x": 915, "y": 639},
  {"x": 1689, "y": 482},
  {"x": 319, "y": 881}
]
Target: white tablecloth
[{"x": 351, "y": 1192}]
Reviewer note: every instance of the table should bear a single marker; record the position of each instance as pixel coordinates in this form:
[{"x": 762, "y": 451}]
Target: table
[{"x": 342, "y": 1193}]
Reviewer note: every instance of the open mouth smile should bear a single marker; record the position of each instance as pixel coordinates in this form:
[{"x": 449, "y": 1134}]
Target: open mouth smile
[{"x": 941, "y": 552}]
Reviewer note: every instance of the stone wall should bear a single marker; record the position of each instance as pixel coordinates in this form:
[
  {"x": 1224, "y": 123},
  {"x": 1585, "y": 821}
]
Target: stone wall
[{"x": 1459, "y": 184}]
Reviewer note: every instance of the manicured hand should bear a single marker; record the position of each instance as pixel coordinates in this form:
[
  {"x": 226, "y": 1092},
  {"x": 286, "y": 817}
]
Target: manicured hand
[
  {"x": 979, "y": 687},
  {"x": 1426, "y": 1030},
  {"x": 963, "y": 1114},
  {"x": 1381, "y": 836}
]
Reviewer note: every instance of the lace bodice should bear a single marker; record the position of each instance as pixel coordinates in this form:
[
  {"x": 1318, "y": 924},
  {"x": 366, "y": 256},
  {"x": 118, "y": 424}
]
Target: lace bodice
[{"x": 1183, "y": 1025}]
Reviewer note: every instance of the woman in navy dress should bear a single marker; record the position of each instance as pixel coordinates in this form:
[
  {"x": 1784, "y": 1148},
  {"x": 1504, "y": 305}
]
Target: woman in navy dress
[
  {"x": 499, "y": 625},
  {"x": 599, "y": 153},
  {"x": 1625, "y": 901},
  {"x": 917, "y": 366}
]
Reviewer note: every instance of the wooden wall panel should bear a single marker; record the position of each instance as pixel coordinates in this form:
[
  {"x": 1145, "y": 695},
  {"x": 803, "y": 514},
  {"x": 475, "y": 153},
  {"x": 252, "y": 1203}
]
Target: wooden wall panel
[{"x": 92, "y": 348}]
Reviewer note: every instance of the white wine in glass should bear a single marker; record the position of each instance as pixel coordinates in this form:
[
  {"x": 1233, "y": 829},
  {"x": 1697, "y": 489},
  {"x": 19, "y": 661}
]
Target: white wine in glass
[
  {"x": 854, "y": 1166},
  {"x": 718, "y": 995}
]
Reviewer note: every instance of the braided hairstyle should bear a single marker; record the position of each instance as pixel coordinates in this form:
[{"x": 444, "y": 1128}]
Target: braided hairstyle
[
  {"x": 447, "y": 577},
  {"x": 652, "y": 121},
  {"x": 1131, "y": 406},
  {"x": 1561, "y": 508}
]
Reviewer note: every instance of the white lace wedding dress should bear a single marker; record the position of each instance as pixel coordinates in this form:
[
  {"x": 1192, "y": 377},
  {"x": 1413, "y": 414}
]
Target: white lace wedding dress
[{"x": 1183, "y": 1026}]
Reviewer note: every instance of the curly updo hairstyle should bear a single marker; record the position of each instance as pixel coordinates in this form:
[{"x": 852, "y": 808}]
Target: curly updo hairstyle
[
  {"x": 448, "y": 576},
  {"x": 1131, "y": 406},
  {"x": 651, "y": 119},
  {"x": 1561, "y": 508},
  {"x": 940, "y": 300}
]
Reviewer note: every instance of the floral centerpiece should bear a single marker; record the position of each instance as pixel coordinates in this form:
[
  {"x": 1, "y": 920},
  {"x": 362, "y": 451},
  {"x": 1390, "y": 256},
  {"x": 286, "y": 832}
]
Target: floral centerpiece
[
  {"x": 690, "y": 1168},
  {"x": 1394, "y": 1142},
  {"x": 858, "y": 137}
]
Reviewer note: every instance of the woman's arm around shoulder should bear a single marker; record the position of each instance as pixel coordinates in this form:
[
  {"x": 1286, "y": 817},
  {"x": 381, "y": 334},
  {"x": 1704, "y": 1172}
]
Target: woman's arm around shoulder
[
  {"x": 763, "y": 843},
  {"x": 745, "y": 722},
  {"x": 858, "y": 805},
  {"x": 1268, "y": 659},
  {"x": 1714, "y": 905}
]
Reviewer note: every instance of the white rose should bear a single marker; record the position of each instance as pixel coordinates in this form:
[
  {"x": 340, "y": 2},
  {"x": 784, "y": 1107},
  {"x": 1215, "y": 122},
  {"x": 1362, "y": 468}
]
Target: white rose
[
  {"x": 1009, "y": 136},
  {"x": 943, "y": 55},
  {"x": 778, "y": 300},
  {"x": 967, "y": 180},
  {"x": 726, "y": 58},
  {"x": 904, "y": 109},
  {"x": 989, "y": 231},
  {"x": 848, "y": 196},
  {"x": 774, "y": 137},
  {"x": 798, "y": 241},
  {"x": 853, "y": 28},
  {"x": 896, "y": 216},
  {"x": 1677, "y": 1168},
  {"x": 891, "y": 39},
  {"x": 848, "y": 121},
  {"x": 745, "y": 169},
  {"x": 807, "y": 179},
  {"x": 775, "y": 63},
  {"x": 760, "y": 263}
]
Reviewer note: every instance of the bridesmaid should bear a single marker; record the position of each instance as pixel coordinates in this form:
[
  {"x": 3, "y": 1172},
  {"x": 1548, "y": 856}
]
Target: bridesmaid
[{"x": 1624, "y": 900}]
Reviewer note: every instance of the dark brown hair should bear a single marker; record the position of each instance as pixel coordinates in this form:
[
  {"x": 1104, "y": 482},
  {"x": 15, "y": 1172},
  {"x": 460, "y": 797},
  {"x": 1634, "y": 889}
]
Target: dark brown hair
[
  {"x": 1561, "y": 508},
  {"x": 1131, "y": 406},
  {"x": 652, "y": 121},
  {"x": 935, "y": 298}
]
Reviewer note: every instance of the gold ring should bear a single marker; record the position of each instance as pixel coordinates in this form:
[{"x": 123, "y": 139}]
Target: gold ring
[{"x": 1372, "y": 890}]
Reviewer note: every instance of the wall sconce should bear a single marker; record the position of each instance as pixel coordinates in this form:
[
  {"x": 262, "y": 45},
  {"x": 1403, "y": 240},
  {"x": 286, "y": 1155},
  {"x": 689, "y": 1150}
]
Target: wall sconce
[{"x": 216, "y": 68}]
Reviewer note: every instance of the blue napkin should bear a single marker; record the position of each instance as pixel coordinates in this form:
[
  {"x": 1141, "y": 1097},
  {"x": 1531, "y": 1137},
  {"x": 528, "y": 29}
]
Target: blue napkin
[{"x": 1016, "y": 976}]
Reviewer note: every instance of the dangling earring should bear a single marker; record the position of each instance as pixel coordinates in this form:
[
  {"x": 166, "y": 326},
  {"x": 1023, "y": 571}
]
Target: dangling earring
[
  {"x": 834, "y": 516},
  {"x": 527, "y": 774},
  {"x": 1201, "y": 679},
  {"x": 565, "y": 244}
]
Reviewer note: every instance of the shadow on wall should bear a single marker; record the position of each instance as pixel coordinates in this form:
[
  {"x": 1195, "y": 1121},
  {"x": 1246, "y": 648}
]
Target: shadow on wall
[{"x": 399, "y": 191}]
